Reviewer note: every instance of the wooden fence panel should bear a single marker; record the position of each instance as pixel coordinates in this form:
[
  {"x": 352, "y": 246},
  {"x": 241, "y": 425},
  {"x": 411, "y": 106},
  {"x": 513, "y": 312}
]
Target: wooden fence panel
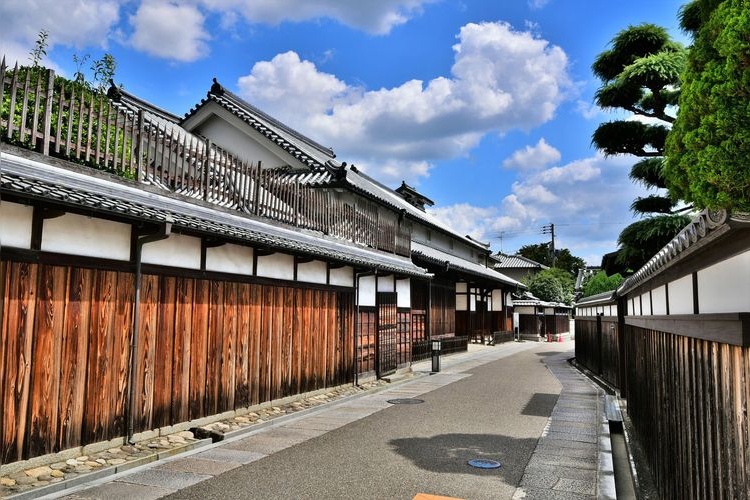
[
  {"x": 18, "y": 319},
  {"x": 287, "y": 342},
  {"x": 164, "y": 361},
  {"x": 204, "y": 347},
  {"x": 199, "y": 349},
  {"x": 181, "y": 361},
  {"x": 101, "y": 334},
  {"x": 146, "y": 354},
  {"x": 50, "y": 323},
  {"x": 74, "y": 358},
  {"x": 228, "y": 334},
  {"x": 688, "y": 400},
  {"x": 243, "y": 350}
]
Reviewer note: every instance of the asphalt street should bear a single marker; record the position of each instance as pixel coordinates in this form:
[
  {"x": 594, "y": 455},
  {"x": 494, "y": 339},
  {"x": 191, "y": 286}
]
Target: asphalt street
[
  {"x": 494, "y": 404},
  {"x": 498, "y": 412}
]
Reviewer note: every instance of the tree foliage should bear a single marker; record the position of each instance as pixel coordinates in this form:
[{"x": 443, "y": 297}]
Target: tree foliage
[
  {"x": 600, "y": 283},
  {"x": 640, "y": 73},
  {"x": 708, "y": 149},
  {"x": 563, "y": 258},
  {"x": 553, "y": 285}
]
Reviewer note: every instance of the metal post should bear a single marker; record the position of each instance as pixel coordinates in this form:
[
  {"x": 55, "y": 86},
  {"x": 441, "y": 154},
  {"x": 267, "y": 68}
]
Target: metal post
[{"x": 437, "y": 347}]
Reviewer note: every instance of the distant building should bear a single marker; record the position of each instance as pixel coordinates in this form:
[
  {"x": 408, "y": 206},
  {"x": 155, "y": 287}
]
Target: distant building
[{"x": 516, "y": 266}]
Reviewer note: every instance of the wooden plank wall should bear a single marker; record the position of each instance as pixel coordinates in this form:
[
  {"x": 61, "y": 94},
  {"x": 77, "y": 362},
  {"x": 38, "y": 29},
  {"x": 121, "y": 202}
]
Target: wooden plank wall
[
  {"x": 598, "y": 351},
  {"x": 366, "y": 340},
  {"x": 403, "y": 337},
  {"x": 443, "y": 314},
  {"x": 205, "y": 347},
  {"x": 688, "y": 400}
]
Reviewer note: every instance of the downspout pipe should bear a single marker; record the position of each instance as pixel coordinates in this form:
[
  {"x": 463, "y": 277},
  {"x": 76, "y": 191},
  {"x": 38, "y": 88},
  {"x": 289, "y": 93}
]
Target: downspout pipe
[{"x": 161, "y": 234}]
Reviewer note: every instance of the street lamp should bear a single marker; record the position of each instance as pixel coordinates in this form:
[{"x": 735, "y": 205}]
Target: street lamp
[{"x": 437, "y": 346}]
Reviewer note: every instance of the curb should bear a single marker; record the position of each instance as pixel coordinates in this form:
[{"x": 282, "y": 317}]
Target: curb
[
  {"x": 196, "y": 446},
  {"x": 105, "y": 471}
]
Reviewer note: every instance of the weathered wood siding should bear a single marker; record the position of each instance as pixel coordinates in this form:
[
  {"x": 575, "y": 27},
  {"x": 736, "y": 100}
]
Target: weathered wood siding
[
  {"x": 688, "y": 399},
  {"x": 366, "y": 340},
  {"x": 597, "y": 347},
  {"x": 205, "y": 347}
]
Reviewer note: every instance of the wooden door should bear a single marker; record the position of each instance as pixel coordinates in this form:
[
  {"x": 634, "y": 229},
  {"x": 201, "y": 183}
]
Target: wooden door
[{"x": 386, "y": 333}]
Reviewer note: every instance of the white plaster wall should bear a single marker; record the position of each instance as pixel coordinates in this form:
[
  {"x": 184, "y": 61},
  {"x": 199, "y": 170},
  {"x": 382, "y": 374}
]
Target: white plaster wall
[
  {"x": 472, "y": 302},
  {"x": 461, "y": 287},
  {"x": 277, "y": 265},
  {"x": 659, "y": 300},
  {"x": 681, "y": 296},
  {"x": 81, "y": 235},
  {"x": 342, "y": 276},
  {"x": 509, "y": 299},
  {"x": 15, "y": 225},
  {"x": 367, "y": 291},
  {"x": 525, "y": 310},
  {"x": 725, "y": 286},
  {"x": 176, "y": 251},
  {"x": 229, "y": 258},
  {"x": 646, "y": 304},
  {"x": 613, "y": 310},
  {"x": 239, "y": 143},
  {"x": 386, "y": 284},
  {"x": 403, "y": 289},
  {"x": 497, "y": 300},
  {"x": 637, "y": 306},
  {"x": 312, "y": 272},
  {"x": 549, "y": 310}
]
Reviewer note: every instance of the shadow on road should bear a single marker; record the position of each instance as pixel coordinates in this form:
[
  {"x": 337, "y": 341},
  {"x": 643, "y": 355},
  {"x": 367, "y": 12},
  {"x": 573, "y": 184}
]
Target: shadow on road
[
  {"x": 451, "y": 452},
  {"x": 540, "y": 405}
]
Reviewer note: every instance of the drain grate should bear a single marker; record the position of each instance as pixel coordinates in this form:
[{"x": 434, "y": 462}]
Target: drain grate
[
  {"x": 405, "y": 401},
  {"x": 481, "y": 463}
]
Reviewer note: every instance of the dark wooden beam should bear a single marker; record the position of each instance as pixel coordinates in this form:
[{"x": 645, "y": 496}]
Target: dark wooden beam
[{"x": 726, "y": 328}]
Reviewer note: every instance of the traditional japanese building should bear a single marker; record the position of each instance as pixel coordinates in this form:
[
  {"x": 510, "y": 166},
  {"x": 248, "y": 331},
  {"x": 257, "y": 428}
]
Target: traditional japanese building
[{"x": 158, "y": 270}]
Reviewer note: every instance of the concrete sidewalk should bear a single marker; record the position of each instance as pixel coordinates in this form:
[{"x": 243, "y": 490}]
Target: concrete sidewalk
[{"x": 571, "y": 460}]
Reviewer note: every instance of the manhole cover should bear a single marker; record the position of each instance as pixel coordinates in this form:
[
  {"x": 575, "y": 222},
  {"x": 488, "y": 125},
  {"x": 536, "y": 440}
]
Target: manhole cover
[
  {"x": 405, "y": 401},
  {"x": 481, "y": 463}
]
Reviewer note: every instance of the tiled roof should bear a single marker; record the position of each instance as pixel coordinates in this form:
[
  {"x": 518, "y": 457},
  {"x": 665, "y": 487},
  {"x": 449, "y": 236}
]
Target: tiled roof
[
  {"x": 538, "y": 303},
  {"x": 454, "y": 262},
  {"x": 705, "y": 227},
  {"x": 304, "y": 149},
  {"x": 599, "y": 298},
  {"x": 38, "y": 180},
  {"x": 517, "y": 262}
]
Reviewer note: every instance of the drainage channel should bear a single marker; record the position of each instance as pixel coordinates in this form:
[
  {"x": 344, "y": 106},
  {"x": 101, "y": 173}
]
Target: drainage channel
[{"x": 620, "y": 460}]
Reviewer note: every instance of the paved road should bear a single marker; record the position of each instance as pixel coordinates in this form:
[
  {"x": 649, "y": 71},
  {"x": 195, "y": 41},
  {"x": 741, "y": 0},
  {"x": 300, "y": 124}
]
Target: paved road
[{"x": 494, "y": 404}]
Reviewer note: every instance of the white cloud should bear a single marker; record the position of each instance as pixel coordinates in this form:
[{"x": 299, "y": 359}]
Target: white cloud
[
  {"x": 588, "y": 110},
  {"x": 501, "y": 79},
  {"x": 291, "y": 84},
  {"x": 537, "y": 4},
  {"x": 170, "y": 31},
  {"x": 74, "y": 23},
  {"x": 373, "y": 16},
  {"x": 585, "y": 199},
  {"x": 533, "y": 157}
]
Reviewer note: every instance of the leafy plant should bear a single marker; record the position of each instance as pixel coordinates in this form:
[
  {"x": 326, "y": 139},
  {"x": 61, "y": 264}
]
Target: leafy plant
[
  {"x": 600, "y": 283},
  {"x": 553, "y": 285},
  {"x": 40, "y": 48}
]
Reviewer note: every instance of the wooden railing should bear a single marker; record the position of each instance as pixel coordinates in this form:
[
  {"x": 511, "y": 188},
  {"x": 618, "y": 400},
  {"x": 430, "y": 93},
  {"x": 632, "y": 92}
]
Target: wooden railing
[{"x": 61, "y": 118}]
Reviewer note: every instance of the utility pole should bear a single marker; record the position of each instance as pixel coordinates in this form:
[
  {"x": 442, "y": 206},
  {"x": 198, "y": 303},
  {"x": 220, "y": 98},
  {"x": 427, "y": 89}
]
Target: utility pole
[{"x": 550, "y": 229}]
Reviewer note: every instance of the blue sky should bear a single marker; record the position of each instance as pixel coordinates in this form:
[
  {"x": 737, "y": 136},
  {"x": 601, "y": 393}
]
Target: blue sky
[{"x": 485, "y": 106}]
